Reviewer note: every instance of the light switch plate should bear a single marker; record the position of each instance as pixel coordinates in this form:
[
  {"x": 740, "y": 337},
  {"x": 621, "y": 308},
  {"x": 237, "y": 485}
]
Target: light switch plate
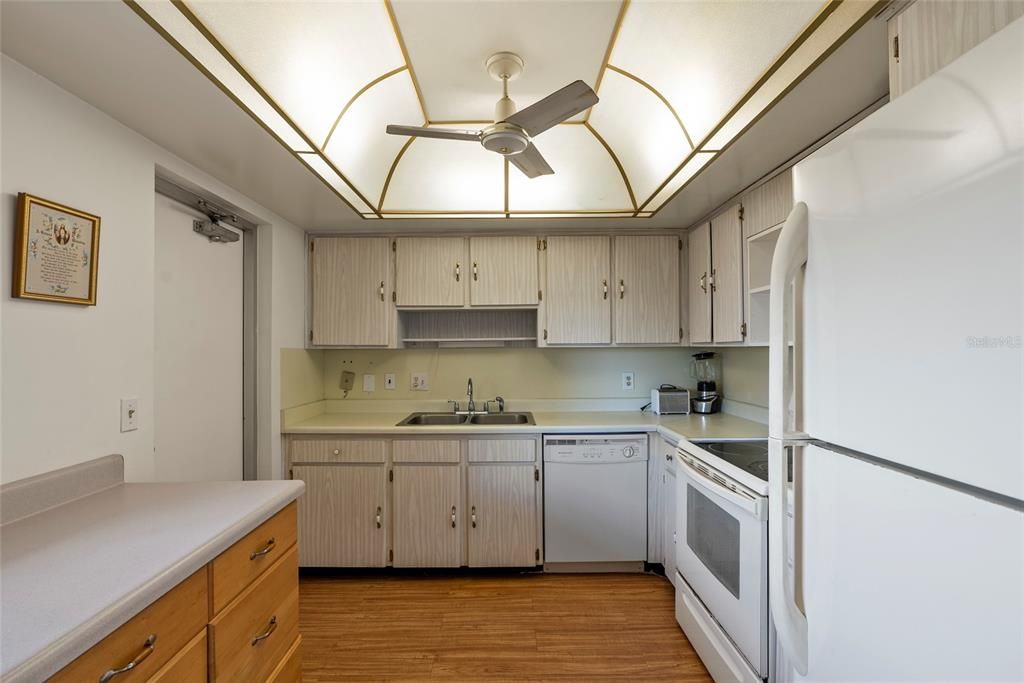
[
  {"x": 129, "y": 414},
  {"x": 369, "y": 383},
  {"x": 389, "y": 380},
  {"x": 628, "y": 383},
  {"x": 420, "y": 381}
]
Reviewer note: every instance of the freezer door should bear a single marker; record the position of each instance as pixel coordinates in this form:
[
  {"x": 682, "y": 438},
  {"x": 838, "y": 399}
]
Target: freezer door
[
  {"x": 904, "y": 579},
  {"x": 914, "y": 287}
]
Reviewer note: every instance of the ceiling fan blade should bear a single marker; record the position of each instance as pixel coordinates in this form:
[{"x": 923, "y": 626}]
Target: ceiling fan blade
[
  {"x": 557, "y": 107},
  {"x": 440, "y": 133},
  {"x": 530, "y": 162}
]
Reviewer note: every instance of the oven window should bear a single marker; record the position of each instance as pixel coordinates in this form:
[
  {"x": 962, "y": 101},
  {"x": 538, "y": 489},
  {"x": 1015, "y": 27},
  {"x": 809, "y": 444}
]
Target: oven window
[{"x": 714, "y": 537}]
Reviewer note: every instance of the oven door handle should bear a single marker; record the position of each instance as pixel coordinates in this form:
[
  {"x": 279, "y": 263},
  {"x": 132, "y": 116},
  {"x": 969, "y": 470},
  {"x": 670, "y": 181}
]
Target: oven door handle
[{"x": 748, "y": 504}]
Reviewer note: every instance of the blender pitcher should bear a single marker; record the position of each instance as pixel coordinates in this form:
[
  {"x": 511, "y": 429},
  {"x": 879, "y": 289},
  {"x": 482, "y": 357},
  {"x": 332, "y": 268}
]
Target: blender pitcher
[{"x": 704, "y": 367}]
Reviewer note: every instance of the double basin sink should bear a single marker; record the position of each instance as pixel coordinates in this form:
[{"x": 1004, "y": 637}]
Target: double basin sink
[{"x": 446, "y": 419}]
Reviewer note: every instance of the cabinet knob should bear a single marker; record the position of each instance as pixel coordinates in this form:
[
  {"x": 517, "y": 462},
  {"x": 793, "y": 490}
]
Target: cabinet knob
[{"x": 337, "y": 451}]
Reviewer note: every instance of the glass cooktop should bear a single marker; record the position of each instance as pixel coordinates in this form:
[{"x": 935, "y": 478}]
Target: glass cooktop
[{"x": 751, "y": 456}]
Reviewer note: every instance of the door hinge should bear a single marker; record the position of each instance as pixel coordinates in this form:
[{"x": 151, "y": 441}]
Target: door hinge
[
  {"x": 540, "y": 295},
  {"x": 743, "y": 330},
  {"x": 536, "y": 554},
  {"x": 394, "y": 297},
  {"x": 391, "y": 555},
  {"x": 545, "y": 335},
  {"x": 394, "y": 245},
  {"x": 391, "y": 475},
  {"x": 896, "y": 48},
  {"x": 536, "y": 474}
]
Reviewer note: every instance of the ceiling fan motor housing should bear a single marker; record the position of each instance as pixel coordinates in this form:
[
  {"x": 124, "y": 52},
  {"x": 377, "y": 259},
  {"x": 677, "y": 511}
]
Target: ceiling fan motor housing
[{"x": 505, "y": 139}]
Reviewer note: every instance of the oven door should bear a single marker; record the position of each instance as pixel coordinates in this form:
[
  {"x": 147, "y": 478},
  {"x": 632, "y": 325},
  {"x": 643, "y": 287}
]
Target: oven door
[{"x": 722, "y": 553}]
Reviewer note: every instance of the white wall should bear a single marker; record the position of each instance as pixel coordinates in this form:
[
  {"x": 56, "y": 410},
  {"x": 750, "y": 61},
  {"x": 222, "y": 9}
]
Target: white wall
[{"x": 65, "y": 368}]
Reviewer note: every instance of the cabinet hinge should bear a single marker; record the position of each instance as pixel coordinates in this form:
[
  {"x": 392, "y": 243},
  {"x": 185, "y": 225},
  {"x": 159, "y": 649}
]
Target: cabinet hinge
[
  {"x": 680, "y": 244},
  {"x": 394, "y": 297},
  {"x": 391, "y": 475},
  {"x": 542, "y": 245},
  {"x": 536, "y": 474},
  {"x": 394, "y": 245},
  {"x": 545, "y": 335},
  {"x": 291, "y": 473},
  {"x": 896, "y": 48},
  {"x": 391, "y": 555},
  {"x": 312, "y": 244},
  {"x": 540, "y": 295},
  {"x": 311, "y": 336},
  {"x": 743, "y": 330},
  {"x": 741, "y": 212},
  {"x": 680, "y": 334},
  {"x": 536, "y": 554}
]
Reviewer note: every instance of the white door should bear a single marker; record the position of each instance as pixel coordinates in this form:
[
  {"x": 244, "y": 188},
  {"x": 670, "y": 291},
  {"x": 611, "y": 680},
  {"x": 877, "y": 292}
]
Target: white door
[{"x": 198, "y": 351}]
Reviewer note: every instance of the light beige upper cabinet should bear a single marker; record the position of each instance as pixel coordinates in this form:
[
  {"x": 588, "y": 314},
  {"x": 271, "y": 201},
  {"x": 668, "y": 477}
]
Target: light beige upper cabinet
[
  {"x": 342, "y": 515},
  {"x": 578, "y": 306},
  {"x": 351, "y": 298},
  {"x": 768, "y": 204},
  {"x": 502, "y": 516},
  {"x": 727, "y": 276},
  {"x": 503, "y": 271},
  {"x": 431, "y": 271},
  {"x": 698, "y": 287},
  {"x": 428, "y": 520},
  {"x": 930, "y": 34},
  {"x": 646, "y": 290}
]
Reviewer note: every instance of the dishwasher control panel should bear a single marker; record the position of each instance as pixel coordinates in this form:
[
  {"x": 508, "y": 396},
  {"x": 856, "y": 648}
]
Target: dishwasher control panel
[{"x": 594, "y": 448}]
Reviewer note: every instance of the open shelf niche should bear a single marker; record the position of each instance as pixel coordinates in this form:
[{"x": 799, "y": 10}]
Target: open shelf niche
[
  {"x": 760, "y": 250},
  {"x": 467, "y": 328}
]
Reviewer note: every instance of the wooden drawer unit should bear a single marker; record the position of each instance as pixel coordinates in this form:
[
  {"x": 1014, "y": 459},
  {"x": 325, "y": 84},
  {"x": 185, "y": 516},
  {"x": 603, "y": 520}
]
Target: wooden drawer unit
[
  {"x": 239, "y": 565},
  {"x": 151, "y": 638},
  {"x": 502, "y": 450},
  {"x": 188, "y": 666},
  {"x": 290, "y": 668},
  {"x": 426, "y": 450},
  {"x": 253, "y": 634},
  {"x": 338, "y": 450}
]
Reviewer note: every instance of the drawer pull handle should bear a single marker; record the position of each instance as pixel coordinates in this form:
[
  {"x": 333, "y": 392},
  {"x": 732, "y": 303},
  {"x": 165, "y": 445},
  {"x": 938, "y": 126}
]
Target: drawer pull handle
[
  {"x": 266, "y": 634},
  {"x": 472, "y": 514},
  {"x": 453, "y": 516},
  {"x": 147, "y": 650},
  {"x": 264, "y": 550},
  {"x": 378, "y": 517}
]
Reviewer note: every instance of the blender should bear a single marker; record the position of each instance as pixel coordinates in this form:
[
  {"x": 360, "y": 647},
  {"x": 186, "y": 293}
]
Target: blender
[{"x": 704, "y": 367}]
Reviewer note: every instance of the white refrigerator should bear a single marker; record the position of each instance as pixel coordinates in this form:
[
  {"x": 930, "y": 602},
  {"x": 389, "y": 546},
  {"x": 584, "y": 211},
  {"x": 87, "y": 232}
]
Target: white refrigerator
[{"x": 897, "y": 377}]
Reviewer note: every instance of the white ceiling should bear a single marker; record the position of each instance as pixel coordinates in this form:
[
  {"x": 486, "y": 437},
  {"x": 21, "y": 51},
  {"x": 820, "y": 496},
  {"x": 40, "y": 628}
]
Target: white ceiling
[{"x": 183, "y": 112}]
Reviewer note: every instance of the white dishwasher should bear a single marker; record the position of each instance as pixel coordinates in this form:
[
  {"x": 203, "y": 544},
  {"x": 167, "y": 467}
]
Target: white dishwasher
[{"x": 595, "y": 501}]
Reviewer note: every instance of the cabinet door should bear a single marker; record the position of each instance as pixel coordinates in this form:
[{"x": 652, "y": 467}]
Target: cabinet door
[
  {"x": 646, "y": 291},
  {"x": 503, "y": 271},
  {"x": 343, "y": 515},
  {"x": 351, "y": 301},
  {"x": 428, "y": 516},
  {"x": 670, "y": 538},
  {"x": 502, "y": 516},
  {"x": 430, "y": 271},
  {"x": 727, "y": 276},
  {"x": 578, "y": 306},
  {"x": 698, "y": 248}
]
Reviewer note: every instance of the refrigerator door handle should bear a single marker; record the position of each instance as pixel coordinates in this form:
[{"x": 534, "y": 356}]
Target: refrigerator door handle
[{"x": 790, "y": 255}]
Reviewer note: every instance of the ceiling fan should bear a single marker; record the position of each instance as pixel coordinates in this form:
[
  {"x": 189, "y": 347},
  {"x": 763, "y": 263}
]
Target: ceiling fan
[{"x": 512, "y": 131}]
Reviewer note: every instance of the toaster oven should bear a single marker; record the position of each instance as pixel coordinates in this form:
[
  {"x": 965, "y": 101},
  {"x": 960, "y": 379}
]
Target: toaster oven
[{"x": 670, "y": 401}]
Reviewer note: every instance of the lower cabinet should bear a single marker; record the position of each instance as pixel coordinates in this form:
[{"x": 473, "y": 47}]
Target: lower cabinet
[
  {"x": 427, "y": 524},
  {"x": 503, "y": 516},
  {"x": 342, "y": 515},
  {"x": 418, "y": 502}
]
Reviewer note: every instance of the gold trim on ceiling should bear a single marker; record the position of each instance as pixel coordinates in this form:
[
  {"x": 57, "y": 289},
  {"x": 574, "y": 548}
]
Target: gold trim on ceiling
[
  {"x": 608, "y": 51},
  {"x": 657, "y": 94},
  {"x": 405, "y": 56},
  {"x": 615, "y": 159},
  {"x": 355, "y": 97},
  {"x": 498, "y": 212},
  {"x": 391, "y": 172},
  {"x": 217, "y": 45}
]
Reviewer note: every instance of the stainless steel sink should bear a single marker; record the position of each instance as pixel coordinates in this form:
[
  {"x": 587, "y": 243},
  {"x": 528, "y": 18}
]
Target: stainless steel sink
[
  {"x": 503, "y": 419},
  {"x": 427, "y": 419},
  {"x": 447, "y": 419}
]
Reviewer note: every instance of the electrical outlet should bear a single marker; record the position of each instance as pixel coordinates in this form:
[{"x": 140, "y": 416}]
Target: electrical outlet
[
  {"x": 628, "y": 381},
  {"x": 389, "y": 380},
  {"x": 348, "y": 380},
  {"x": 420, "y": 381},
  {"x": 369, "y": 383},
  {"x": 129, "y": 414}
]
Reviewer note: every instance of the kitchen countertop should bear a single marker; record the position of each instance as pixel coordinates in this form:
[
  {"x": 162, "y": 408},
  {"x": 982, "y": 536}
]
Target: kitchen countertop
[
  {"x": 672, "y": 427},
  {"x": 73, "y": 573}
]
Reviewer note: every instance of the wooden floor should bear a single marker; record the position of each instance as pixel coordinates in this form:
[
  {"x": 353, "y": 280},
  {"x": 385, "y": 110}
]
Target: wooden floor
[{"x": 534, "y": 627}]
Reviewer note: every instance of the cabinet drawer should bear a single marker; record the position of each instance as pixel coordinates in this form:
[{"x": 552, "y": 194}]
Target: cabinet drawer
[
  {"x": 239, "y": 565},
  {"x": 251, "y": 636},
  {"x": 290, "y": 668},
  {"x": 188, "y": 666},
  {"x": 169, "y": 623},
  {"x": 502, "y": 450},
  {"x": 337, "y": 450},
  {"x": 426, "y": 450}
]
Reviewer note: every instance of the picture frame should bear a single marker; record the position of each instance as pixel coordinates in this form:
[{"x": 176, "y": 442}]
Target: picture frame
[{"x": 56, "y": 252}]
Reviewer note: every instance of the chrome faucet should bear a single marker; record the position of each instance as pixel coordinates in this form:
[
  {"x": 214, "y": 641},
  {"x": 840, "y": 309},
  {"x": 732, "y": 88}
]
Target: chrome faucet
[{"x": 471, "y": 406}]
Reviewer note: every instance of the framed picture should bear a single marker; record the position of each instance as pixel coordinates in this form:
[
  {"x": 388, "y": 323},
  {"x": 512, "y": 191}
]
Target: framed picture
[{"x": 55, "y": 252}]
